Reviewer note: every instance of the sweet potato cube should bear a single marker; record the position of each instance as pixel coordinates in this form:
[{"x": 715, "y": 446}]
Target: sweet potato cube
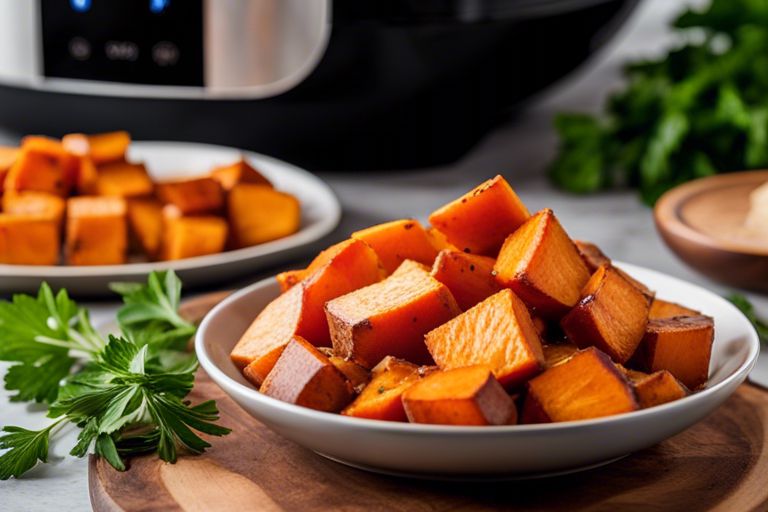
[
  {"x": 480, "y": 221},
  {"x": 398, "y": 241},
  {"x": 663, "y": 309},
  {"x": 439, "y": 241},
  {"x": 8, "y": 156},
  {"x": 101, "y": 148},
  {"x": 469, "y": 277},
  {"x": 259, "y": 213},
  {"x": 97, "y": 232},
  {"x": 611, "y": 315},
  {"x": 682, "y": 345},
  {"x": 29, "y": 239},
  {"x": 390, "y": 317},
  {"x": 588, "y": 385},
  {"x": 35, "y": 203},
  {"x": 188, "y": 237},
  {"x": 498, "y": 333},
  {"x": 462, "y": 396},
  {"x": 42, "y": 166},
  {"x": 381, "y": 399},
  {"x": 122, "y": 179},
  {"x": 656, "y": 389},
  {"x": 299, "y": 311},
  {"x": 239, "y": 172},
  {"x": 357, "y": 376},
  {"x": 593, "y": 257},
  {"x": 290, "y": 278},
  {"x": 194, "y": 196},
  {"x": 557, "y": 353},
  {"x": 145, "y": 220},
  {"x": 86, "y": 177},
  {"x": 304, "y": 376},
  {"x": 542, "y": 266}
]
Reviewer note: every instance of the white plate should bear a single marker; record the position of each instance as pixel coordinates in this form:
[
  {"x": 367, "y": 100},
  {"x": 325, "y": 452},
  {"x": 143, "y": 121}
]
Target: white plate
[
  {"x": 320, "y": 212},
  {"x": 482, "y": 452}
]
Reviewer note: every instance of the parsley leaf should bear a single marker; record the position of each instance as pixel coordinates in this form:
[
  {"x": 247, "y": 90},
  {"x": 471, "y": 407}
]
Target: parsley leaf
[
  {"x": 746, "y": 307},
  {"x": 25, "y": 449}
]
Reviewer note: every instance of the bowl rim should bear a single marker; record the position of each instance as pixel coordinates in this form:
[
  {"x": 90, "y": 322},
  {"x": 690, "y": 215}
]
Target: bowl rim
[
  {"x": 666, "y": 212},
  {"x": 304, "y": 236},
  {"x": 231, "y": 386}
]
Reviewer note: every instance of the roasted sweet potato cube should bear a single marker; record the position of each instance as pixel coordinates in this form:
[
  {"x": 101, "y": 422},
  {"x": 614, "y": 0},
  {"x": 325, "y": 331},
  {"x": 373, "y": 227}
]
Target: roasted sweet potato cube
[
  {"x": 35, "y": 203},
  {"x": 195, "y": 196},
  {"x": 381, "y": 399},
  {"x": 357, "y": 376},
  {"x": 480, "y": 221},
  {"x": 101, "y": 148},
  {"x": 656, "y": 389},
  {"x": 398, "y": 241},
  {"x": 611, "y": 315},
  {"x": 682, "y": 345},
  {"x": 498, "y": 333},
  {"x": 390, "y": 317},
  {"x": 239, "y": 172},
  {"x": 29, "y": 239},
  {"x": 145, "y": 220},
  {"x": 439, "y": 241},
  {"x": 122, "y": 179},
  {"x": 588, "y": 385},
  {"x": 299, "y": 311},
  {"x": 542, "y": 266},
  {"x": 304, "y": 376},
  {"x": 557, "y": 353},
  {"x": 290, "y": 278},
  {"x": 42, "y": 166},
  {"x": 462, "y": 396},
  {"x": 86, "y": 177},
  {"x": 8, "y": 156},
  {"x": 97, "y": 232},
  {"x": 469, "y": 277},
  {"x": 187, "y": 237},
  {"x": 663, "y": 309},
  {"x": 259, "y": 213},
  {"x": 593, "y": 257}
]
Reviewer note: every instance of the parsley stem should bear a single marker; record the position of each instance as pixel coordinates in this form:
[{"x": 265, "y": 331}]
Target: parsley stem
[{"x": 45, "y": 340}]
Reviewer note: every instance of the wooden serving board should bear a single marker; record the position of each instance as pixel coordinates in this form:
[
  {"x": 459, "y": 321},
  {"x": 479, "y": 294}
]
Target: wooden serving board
[{"x": 719, "y": 464}]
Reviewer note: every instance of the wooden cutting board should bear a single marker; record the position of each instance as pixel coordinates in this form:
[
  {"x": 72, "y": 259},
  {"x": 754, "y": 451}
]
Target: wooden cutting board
[{"x": 719, "y": 464}]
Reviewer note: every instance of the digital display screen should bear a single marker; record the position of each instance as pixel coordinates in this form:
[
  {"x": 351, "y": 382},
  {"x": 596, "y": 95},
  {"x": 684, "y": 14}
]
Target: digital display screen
[{"x": 158, "y": 42}]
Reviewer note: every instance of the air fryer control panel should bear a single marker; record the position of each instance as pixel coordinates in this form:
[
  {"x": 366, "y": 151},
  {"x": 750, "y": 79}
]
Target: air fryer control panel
[{"x": 157, "y": 42}]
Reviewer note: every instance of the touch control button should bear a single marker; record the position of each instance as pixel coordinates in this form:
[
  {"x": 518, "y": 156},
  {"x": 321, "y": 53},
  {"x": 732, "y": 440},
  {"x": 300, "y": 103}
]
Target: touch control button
[
  {"x": 79, "y": 48},
  {"x": 165, "y": 53},
  {"x": 121, "y": 50}
]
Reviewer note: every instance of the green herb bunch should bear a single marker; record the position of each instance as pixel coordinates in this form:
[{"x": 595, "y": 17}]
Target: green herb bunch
[
  {"x": 699, "y": 110},
  {"x": 125, "y": 393}
]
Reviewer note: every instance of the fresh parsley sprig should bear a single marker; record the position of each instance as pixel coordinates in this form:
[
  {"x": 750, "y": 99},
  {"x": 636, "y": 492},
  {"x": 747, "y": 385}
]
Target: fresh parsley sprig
[
  {"x": 746, "y": 307},
  {"x": 125, "y": 394}
]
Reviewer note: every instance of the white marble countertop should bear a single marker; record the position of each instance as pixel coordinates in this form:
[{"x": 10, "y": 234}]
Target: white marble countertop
[{"x": 520, "y": 149}]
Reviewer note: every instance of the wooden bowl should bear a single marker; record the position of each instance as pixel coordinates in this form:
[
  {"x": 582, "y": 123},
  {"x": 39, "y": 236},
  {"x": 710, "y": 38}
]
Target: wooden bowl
[{"x": 703, "y": 223}]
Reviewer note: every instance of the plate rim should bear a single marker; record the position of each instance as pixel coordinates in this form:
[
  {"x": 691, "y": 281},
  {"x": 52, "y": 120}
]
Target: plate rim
[
  {"x": 320, "y": 229},
  {"x": 231, "y": 386}
]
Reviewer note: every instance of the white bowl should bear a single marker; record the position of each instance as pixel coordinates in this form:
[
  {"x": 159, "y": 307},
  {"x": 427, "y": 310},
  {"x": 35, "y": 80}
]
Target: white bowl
[
  {"x": 320, "y": 214},
  {"x": 482, "y": 452}
]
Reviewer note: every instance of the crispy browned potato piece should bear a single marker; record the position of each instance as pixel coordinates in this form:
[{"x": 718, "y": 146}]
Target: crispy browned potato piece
[
  {"x": 557, "y": 353},
  {"x": 497, "y": 333},
  {"x": 397, "y": 241},
  {"x": 191, "y": 236},
  {"x": 304, "y": 376},
  {"x": 390, "y": 317},
  {"x": 123, "y": 179},
  {"x": 462, "y": 396},
  {"x": 479, "y": 221},
  {"x": 657, "y": 388},
  {"x": 663, "y": 309},
  {"x": 588, "y": 385},
  {"x": 35, "y": 203},
  {"x": 145, "y": 220},
  {"x": 682, "y": 345},
  {"x": 278, "y": 214},
  {"x": 239, "y": 172},
  {"x": 193, "y": 196},
  {"x": 542, "y": 266},
  {"x": 611, "y": 315},
  {"x": 101, "y": 148},
  {"x": 29, "y": 239},
  {"x": 299, "y": 311},
  {"x": 470, "y": 277},
  {"x": 381, "y": 398},
  {"x": 355, "y": 374},
  {"x": 97, "y": 231},
  {"x": 593, "y": 257}
]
